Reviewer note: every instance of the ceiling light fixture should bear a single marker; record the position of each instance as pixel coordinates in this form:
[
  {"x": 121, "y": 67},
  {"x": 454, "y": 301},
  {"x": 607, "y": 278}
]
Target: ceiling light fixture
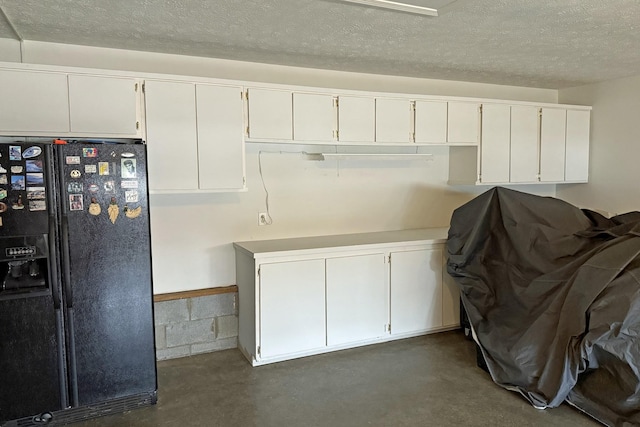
[{"x": 394, "y": 5}]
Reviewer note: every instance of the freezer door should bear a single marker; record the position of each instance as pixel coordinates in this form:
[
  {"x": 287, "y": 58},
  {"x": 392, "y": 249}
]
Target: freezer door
[{"x": 107, "y": 284}]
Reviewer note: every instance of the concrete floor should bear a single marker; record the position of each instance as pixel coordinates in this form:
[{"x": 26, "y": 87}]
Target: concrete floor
[{"x": 425, "y": 381}]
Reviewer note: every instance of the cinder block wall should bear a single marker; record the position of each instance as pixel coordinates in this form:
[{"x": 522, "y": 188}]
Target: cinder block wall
[{"x": 189, "y": 326}]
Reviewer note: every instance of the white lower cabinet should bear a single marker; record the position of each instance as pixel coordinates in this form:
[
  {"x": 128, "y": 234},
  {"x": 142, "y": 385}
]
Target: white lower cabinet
[
  {"x": 292, "y": 307},
  {"x": 357, "y": 298},
  {"x": 304, "y": 296},
  {"x": 416, "y": 291}
]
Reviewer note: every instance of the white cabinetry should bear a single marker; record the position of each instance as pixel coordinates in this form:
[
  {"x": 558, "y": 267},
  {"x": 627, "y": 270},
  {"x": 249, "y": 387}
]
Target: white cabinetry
[
  {"x": 194, "y": 143},
  {"x": 270, "y": 114},
  {"x": 106, "y": 106},
  {"x": 357, "y": 298},
  {"x": 416, "y": 294},
  {"x": 35, "y": 102},
  {"x": 358, "y": 286},
  {"x": 292, "y": 307},
  {"x": 463, "y": 125},
  {"x": 577, "y": 146},
  {"x": 494, "y": 147},
  {"x": 356, "y": 119},
  {"x": 553, "y": 128},
  {"x": 313, "y": 117},
  {"x": 524, "y": 144},
  {"x": 393, "y": 120},
  {"x": 430, "y": 122}
]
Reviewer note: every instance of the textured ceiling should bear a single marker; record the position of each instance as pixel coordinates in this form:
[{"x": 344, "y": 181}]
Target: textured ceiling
[{"x": 536, "y": 43}]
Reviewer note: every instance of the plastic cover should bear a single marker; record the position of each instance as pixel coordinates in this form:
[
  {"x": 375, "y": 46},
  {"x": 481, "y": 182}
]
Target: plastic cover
[{"x": 553, "y": 296}]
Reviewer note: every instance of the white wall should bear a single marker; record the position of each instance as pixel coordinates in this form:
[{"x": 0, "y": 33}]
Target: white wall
[
  {"x": 614, "y": 170},
  {"x": 192, "y": 234}
]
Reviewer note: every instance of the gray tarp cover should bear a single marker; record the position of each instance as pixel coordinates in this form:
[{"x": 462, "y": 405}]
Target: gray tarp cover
[{"x": 553, "y": 295}]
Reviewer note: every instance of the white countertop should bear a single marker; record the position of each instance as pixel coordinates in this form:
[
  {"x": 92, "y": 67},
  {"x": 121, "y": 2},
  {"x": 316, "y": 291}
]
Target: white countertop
[{"x": 260, "y": 248}]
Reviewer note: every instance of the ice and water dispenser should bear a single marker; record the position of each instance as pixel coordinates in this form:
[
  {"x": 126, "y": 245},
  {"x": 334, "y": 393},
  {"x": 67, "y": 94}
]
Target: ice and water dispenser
[{"x": 23, "y": 264}]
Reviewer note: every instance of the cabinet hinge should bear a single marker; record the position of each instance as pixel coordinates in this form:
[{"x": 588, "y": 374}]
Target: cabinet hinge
[
  {"x": 389, "y": 258},
  {"x": 137, "y": 125},
  {"x": 258, "y": 351},
  {"x": 247, "y": 131},
  {"x": 335, "y": 102},
  {"x": 412, "y": 106},
  {"x": 244, "y": 180},
  {"x": 143, "y": 87},
  {"x": 258, "y": 272},
  {"x": 244, "y": 95},
  {"x": 337, "y": 134},
  {"x": 480, "y": 109},
  {"x": 389, "y": 328},
  {"x": 539, "y": 112},
  {"x": 136, "y": 87}
]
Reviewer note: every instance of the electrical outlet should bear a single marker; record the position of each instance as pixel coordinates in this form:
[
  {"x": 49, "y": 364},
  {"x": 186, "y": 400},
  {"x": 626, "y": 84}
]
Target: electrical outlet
[{"x": 262, "y": 218}]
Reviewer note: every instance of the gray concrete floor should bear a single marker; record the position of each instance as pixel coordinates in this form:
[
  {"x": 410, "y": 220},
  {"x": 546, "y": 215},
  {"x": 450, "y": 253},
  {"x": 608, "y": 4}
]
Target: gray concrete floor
[{"x": 425, "y": 381}]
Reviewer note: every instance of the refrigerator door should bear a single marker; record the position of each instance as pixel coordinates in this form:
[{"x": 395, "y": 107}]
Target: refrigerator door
[
  {"x": 32, "y": 367},
  {"x": 106, "y": 268}
]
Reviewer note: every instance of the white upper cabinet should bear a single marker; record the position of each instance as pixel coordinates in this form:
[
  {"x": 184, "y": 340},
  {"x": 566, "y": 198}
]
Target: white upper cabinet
[
  {"x": 172, "y": 142},
  {"x": 356, "y": 119},
  {"x": 105, "y": 106},
  {"x": 270, "y": 114},
  {"x": 393, "y": 120},
  {"x": 553, "y": 129},
  {"x": 577, "y": 146},
  {"x": 524, "y": 144},
  {"x": 430, "y": 122},
  {"x": 220, "y": 138},
  {"x": 494, "y": 146},
  {"x": 34, "y": 102},
  {"x": 314, "y": 117},
  {"x": 463, "y": 126}
]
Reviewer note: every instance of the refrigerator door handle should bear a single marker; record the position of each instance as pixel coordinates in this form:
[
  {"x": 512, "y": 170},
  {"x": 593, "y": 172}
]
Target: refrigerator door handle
[
  {"x": 57, "y": 301},
  {"x": 66, "y": 270}
]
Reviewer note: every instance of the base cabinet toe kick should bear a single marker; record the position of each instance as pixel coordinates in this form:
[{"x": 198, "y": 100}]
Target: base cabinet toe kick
[{"x": 304, "y": 296}]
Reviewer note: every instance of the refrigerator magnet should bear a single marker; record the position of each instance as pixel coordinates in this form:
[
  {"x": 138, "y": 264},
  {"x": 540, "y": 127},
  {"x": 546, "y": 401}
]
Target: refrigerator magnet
[
  {"x": 73, "y": 160},
  {"x": 3, "y": 179},
  {"x": 129, "y": 184},
  {"x": 128, "y": 168},
  {"x": 36, "y": 193},
  {"x": 90, "y": 168},
  {"x": 3, "y": 193},
  {"x": 113, "y": 210},
  {"x": 75, "y": 202},
  {"x": 17, "y": 182},
  {"x": 75, "y": 173},
  {"x": 131, "y": 196},
  {"x": 94, "y": 207},
  {"x": 34, "y": 165},
  {"x": 18, "y": 204},
  {"x": 132, "y": 213},
  {"x": 31, "y": 152},
  {"x": 127, "y": 154},
  {"x": 93, "y": 188},
  {"x": 37, "y": 205},
  {"x": 15, "y": 152},
  {"x": 3, "y": 207},
  {"x": 16, "y": 169},
  {"x": 74, "y": 187},
  {"x": 90, "y": 152},
  {"x": 109, "y": 187},
  {"x": 2, "y": 170},
  {"x": 103, "y": 167}
]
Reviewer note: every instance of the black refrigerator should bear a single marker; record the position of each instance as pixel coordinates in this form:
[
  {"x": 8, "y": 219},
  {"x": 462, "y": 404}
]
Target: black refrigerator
[{"x": 76, "y": 310}]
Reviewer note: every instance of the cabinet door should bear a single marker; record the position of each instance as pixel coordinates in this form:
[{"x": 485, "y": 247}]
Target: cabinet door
[
  {"x": 416, "y": 291},
  {"x": 270, "y": 114},
  {"x": 463, "y": 125},
  {"x": 431, "y": 122},
  {"x": 577, "y": 146},
  {"x": 172, "y": 143},
  {"x": 494, "y": 146},
  {"x": 552, "y": 144},
  {"x": 313, "y": 117},
  {"x": 524, "y": 144},
  {"x": 393, "y": 120},
  {"x": 356, "y": 119},
  {"x": 220, "y": 137},
  {"x": 34, "y": 102},
  {"x": 103, "y": 105},
  {"x": 357, "y": 299},
  {"x": 292, "y": 307}
]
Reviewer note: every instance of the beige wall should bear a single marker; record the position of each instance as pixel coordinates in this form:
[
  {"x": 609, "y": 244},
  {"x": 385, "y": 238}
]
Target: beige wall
[
  {"x": 614, "y": 167},
  {"x": 192, "y": 234}
]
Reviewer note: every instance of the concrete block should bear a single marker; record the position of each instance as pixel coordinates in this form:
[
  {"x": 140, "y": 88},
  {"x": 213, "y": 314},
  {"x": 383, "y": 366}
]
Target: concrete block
[
  {"x": 211, "y": 306},
  {"x": 223, "y": 344},
  {"x": 161, "y": 337},
  {"x": 173, "y": 353},
  {"x": 174, "y": 311},
  {"x": 226, "y": 327},
  {"x": 195, "y": 331}
]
